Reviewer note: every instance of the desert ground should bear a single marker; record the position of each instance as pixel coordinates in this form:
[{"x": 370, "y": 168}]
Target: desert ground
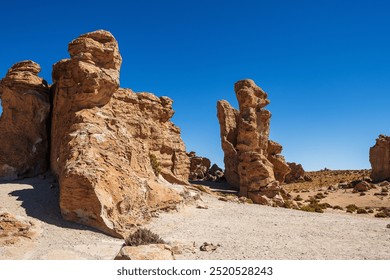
[{"x": 237, "y": 229}]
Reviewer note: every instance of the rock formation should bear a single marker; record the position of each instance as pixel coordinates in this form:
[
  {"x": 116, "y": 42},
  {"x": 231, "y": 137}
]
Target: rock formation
[
  {"x": 199, "y": 166},
  {"x": 380, "y": 159},
  {"x": 244, "y": 137},
  {"x": 281, "y": 168},
  {"x": 110, "y": 145},
  {"x": 23, "y": 123},
  {"x": 14, "y": 229},
  {"x": 297, "y": 173}
]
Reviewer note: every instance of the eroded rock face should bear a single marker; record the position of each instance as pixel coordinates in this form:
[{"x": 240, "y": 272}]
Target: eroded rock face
[
  {"x": 297, "y": 173},
  {"x": 199, "y": 166},
  {"x": 112, "y": 148},
  {"x": 281, "y": 168},
  {"x": 380, "y": 159},
  {"x": 23, "y": 123},
  {"x": 14, "y": 229},
  {"x": 244, "y": 137}
]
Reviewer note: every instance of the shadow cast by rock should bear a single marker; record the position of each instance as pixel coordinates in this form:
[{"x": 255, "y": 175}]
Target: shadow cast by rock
[
  {"x": 42, "y": 201},
  {"x": 222, "y": 187}
]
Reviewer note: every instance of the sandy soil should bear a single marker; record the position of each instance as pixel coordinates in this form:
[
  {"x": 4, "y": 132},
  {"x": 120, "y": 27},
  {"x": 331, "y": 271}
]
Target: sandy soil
[
  {"x": 243, "y": 231},
  {"x": 247, "y": 231},
  {"x": 36, "y": 200}
]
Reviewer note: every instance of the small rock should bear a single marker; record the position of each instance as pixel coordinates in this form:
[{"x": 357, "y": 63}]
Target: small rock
[
  {"x": 209, "y": 247},
  {"x": 146, "y": 252},
  {"x": 388, "y": 226},
  {"x": 201, "y": 206},
  {"x": 363, "y": 186}
]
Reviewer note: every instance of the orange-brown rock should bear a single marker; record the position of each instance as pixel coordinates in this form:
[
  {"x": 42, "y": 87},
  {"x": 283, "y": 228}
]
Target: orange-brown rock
[
  {"x": 244, "y": 137},
  {"x": 297, "y": 173},
  {"x": 112, "y": 148},
  {"x": 281, "y": 168},
  {"x": 199, "y": 166},
  {"x": 228, "y": 118},
  {"x": 14, "y": 229},
  {"x": 23, "y": 123},
  {"x": 146, "y": 252},
  {"x": 380, "y": 159}
]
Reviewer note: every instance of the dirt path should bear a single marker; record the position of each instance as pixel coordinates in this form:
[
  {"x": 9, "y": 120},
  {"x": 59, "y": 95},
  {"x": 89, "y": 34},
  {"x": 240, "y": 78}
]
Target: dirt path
[
  {"x": 36, "y": 200},
  {"x": 247, "y": 231}
]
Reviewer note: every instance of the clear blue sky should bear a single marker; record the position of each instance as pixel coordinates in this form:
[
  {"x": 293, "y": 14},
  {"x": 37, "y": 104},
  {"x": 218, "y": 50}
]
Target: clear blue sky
[{"x": 324, "y": 64}]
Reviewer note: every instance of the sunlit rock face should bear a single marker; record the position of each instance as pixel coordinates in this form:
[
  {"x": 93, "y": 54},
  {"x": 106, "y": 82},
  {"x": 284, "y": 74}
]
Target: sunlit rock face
[
  {"x": 380, "y": 159},
  {"x": 115, "y": 151},
  {"x": 23, "y": 123},
  {"x": 252, "y": 162}
]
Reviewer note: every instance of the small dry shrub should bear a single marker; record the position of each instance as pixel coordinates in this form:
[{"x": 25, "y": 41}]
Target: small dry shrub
[
  {"x": 155, "y": 164},
  {"x": 351, "y": 208},
  {"x": 319, "y": 196},
  {"x": 337, "y": 207},
  {"x": 143, "y": 237},
  {"x": 361, "y": 211},
  {"x": 381, "y": 215},
  {"x": 298, "y": 198},
  {"x": 314, "y": 206}
]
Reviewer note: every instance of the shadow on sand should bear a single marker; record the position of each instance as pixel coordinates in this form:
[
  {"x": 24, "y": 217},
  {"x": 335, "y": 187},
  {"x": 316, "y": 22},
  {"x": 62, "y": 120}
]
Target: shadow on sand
[
  {"x": 222, "y": 187},
  {"x": 41, "y": 201}
]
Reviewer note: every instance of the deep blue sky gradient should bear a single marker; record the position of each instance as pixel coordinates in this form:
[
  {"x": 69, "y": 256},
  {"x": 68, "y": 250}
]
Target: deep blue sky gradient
[{"x": 324, "y": 64}]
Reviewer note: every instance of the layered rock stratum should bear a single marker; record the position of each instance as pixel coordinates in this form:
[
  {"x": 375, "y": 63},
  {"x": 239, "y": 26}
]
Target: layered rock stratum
[
  {"x": 24, "y": 121},
  {"x": 252, "y": 162},
  {"x": 380, "y": 159},
  {"x": 113, "y": 150}
]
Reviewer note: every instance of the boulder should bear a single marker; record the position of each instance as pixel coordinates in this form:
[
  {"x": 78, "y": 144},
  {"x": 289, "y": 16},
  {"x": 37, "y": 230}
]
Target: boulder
[
  {"x": 114, "y": 151},
  {"x": 297, "y": 173},
  {"x": 246, "y": 146},
  {"x": 199, "y": 166},
  {"x": 23, "y": 123},
  {"x": 380, "y": 159},
  {"x": 362, "y": 186},
  {"x": 14, "y": 229},
  {"x": 146, "y": 252}
]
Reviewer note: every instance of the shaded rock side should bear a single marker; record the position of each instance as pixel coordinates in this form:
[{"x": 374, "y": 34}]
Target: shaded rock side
[
  {"x": 23, "y": 123},
  {"x": 228, "y": 117},
  {"x": 112, "y": 148},
  {"x": 244, "y": 137},
  {"x": 380, "y": 159},
  {"x": 297, "y": 173},
  {"x": 281, "y": 168}
]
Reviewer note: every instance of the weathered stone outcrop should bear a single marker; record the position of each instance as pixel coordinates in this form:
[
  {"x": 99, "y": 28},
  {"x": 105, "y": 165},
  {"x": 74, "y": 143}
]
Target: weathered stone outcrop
[
  {"x": 199, "y": 166},
  {"x": 297, "y": 173},
  {"x": 380, "y": 159},
  {"x": 228, "y": 118},
  {"x": 244, "y": 137},
  {"x": 23, "y": 123},
  {"x": 111, "y": 145},
  {"x": 281, "y": 168}
]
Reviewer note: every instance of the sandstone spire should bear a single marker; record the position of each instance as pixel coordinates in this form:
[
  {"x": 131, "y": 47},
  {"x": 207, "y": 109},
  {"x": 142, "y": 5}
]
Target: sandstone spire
[{"x": 251, "y": 161}]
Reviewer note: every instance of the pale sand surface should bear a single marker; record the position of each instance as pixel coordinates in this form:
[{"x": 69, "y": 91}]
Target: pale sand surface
[
  {"x": 247, "y": 231},
  {"x": 244, "y": 231}
]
